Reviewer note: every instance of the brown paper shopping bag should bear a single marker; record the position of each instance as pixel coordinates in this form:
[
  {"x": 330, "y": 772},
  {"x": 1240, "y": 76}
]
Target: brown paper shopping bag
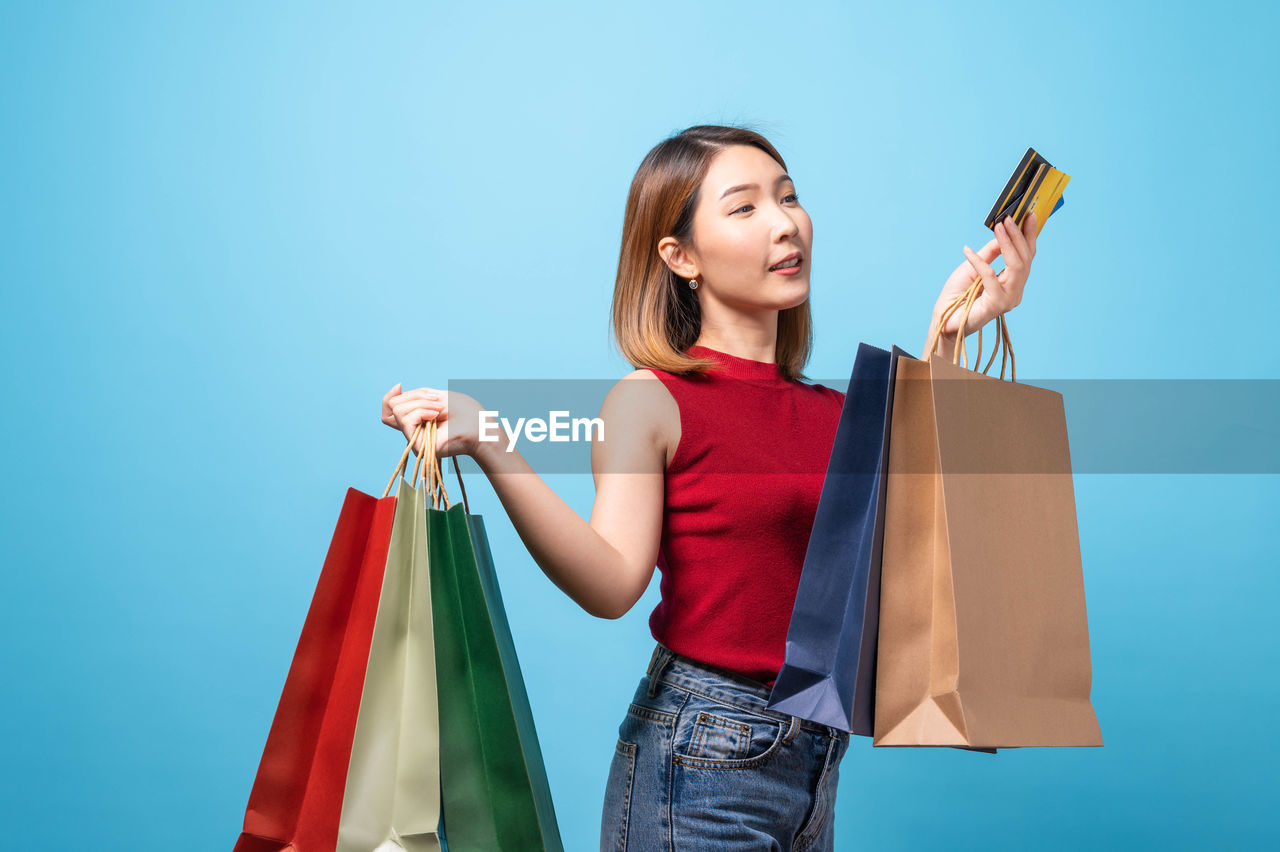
[{"x": 983, "y": 639}]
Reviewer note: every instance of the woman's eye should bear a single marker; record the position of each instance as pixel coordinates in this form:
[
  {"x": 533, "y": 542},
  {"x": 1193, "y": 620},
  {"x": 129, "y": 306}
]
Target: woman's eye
[{"x": 792, "y": 196}]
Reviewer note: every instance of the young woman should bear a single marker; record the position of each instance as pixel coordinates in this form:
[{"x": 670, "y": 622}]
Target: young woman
[{"x": 712, "y": 474}]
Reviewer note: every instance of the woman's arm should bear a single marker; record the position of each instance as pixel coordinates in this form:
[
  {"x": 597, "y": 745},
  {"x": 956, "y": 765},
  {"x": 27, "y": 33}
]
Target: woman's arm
[{"x": 605, "y": 564}]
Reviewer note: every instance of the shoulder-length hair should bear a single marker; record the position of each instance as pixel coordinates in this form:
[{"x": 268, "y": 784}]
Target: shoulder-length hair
[{"x": 656, "y": 316}]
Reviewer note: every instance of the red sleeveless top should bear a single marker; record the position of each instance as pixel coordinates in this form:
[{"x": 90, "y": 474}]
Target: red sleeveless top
[{"x": 741, "y": 493}]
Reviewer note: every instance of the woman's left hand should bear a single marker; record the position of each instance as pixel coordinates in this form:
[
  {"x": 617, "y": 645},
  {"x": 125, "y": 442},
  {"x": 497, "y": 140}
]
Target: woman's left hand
[{"x": 1000, "y": 293}]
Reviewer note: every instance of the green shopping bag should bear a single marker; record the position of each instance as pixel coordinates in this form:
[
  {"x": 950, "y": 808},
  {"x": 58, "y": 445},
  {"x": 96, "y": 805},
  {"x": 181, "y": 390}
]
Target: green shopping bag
[{"x": 494, "y": 783}]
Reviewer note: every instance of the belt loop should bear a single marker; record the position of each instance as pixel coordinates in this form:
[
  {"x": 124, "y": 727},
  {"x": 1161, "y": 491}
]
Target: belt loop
[
  {"x": 657, "y": 662},
  {"x": 792, "y": 730}
]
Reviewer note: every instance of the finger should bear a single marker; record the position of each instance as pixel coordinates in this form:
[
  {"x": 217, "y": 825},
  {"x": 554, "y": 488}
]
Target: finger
[
  {"x": 388, "y": 396},
  {"x": 418, "y": 396},
  {"x": 1019, "y": 241},
  {"x": 419, "y": 393},
  {"x": 409, "y": 416},
  {"x": 1030, "y": 231},
  {"x": 980, "y": 266},
  {"x": 990, "y": 251},
  {"x": 1012, "y": 260},
  {"x": 414, "y": 404}
]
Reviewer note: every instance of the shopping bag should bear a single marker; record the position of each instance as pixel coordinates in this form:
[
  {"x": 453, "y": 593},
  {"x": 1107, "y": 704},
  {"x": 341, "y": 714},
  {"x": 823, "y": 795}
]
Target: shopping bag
[
  {"x": 392, "y": 794},
  {"x": 297, "y": 794},
  {"x": 983, "y": 639},
  {"x": 496, "y": 794},
  {"x": 828, "y": 676}
]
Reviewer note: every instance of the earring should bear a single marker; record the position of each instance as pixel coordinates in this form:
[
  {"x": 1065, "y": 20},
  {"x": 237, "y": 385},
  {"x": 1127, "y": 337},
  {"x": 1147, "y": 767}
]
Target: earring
[{"x": 693, "y": 283}]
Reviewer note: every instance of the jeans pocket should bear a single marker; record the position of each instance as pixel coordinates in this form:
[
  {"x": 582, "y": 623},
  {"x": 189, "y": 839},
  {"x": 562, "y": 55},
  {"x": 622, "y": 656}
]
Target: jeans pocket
[
  {"x": 617, "y": 798},
  {"x": 719, "y": 736}
]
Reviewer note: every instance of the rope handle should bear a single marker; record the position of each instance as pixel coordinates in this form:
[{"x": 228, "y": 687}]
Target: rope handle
[
  {"x": 966, "y": 300},
  {"x": 427, "y": 464},
  {"x": 432, "y": 474},
  {"x": 404, "y": 458}
]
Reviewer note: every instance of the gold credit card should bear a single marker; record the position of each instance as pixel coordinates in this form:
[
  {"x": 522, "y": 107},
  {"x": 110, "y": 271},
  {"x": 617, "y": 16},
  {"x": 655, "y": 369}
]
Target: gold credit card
[{"x": 1034, "y": 185}]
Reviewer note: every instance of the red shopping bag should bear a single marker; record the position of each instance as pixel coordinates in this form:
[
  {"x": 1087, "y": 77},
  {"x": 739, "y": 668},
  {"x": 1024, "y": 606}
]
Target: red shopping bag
[{"x": 296, "y": 800}]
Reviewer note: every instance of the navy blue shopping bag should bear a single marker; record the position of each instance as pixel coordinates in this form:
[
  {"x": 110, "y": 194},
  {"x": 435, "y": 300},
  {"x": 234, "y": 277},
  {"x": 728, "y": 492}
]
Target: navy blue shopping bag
[{"x": 829, "y": 673}]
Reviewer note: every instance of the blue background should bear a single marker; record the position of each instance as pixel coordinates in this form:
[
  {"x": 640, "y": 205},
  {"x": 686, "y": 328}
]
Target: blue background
[{"x": 228, "y": 229}]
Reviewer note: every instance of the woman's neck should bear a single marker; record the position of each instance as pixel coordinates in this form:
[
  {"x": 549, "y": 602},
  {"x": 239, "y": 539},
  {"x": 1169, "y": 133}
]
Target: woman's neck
[{"x": 752, "y": 350}]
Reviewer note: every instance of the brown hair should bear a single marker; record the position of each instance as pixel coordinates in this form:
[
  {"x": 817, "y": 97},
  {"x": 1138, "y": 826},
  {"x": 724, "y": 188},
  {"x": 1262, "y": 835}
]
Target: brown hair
[{"x": 656, "y": 316}]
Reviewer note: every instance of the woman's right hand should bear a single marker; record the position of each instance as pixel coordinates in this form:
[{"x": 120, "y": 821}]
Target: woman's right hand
[{"x": 457, "y": 418}]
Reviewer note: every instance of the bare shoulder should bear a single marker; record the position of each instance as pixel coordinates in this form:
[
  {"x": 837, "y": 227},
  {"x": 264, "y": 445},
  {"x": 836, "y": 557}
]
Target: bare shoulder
[{"x": 641, "y": 400}]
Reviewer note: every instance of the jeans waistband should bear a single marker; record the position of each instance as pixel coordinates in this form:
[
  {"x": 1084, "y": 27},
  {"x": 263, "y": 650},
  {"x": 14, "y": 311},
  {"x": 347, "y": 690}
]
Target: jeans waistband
[{"x": 666, "y": 666}]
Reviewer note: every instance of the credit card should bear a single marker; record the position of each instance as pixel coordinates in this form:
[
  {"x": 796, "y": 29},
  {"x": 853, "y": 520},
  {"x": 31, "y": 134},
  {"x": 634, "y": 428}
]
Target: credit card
[{"x": 1034, "y": 185}]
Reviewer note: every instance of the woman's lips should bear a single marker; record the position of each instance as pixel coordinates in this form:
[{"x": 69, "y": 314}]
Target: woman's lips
[{"x": 790, "y": 270}]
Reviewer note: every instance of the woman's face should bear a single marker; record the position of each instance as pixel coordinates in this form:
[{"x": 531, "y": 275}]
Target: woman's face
[{"x": 748, "y": 219}]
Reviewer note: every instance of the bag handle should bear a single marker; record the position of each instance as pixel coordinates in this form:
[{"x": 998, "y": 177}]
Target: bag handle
[
  {"x": 404, "y": 457},
  {"x": 466, "y": 507},
  {"x": 966, "y": 300},
  {"x": 432, "y": 474},
  {"x": 431, "y": 470}
]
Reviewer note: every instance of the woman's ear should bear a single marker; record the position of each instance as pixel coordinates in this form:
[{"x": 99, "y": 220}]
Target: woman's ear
[{"x": 676, "y": 258}]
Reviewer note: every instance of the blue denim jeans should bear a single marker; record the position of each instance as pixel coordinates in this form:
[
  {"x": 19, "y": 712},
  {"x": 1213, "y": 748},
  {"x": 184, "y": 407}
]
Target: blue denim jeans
[{"x": 701, "y": 764}]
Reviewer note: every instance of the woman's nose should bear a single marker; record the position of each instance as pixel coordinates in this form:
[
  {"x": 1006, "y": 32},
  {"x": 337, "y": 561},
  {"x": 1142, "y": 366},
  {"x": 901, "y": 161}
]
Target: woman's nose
[{"x": 786, "y": 225}]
